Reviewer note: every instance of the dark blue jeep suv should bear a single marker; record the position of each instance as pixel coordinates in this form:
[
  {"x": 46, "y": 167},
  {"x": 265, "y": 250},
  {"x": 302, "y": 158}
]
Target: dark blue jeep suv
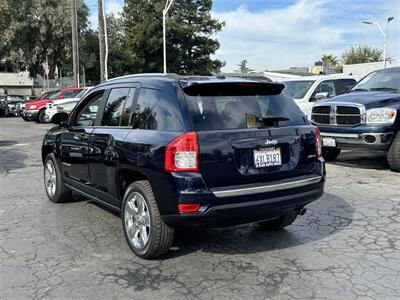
[
  {"x": 366, "y": 118},
  {"x": 169, "y": 152}
]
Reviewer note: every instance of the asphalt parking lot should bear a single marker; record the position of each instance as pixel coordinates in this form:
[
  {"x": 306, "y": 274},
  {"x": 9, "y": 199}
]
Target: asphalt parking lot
[{"x": 347, "y": 245}]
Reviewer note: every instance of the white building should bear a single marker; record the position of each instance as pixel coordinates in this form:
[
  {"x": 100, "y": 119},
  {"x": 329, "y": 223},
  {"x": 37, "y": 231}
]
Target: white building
[{"x": 360, "y": 70}]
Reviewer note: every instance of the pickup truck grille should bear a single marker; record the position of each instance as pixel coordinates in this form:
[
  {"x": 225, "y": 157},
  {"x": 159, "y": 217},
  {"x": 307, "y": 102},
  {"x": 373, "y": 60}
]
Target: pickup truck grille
[{"x": 338, "y": 115}]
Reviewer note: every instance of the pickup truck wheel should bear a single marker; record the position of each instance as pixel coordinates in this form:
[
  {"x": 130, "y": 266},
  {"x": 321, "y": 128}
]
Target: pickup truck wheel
[
  {"x": 330, "y": 154},
  {"x": 278, "y": 223},
  {"x": 53, "y": 183},
  {"x": 145, "y": 231},
  {"x": 393, "y": 155}
]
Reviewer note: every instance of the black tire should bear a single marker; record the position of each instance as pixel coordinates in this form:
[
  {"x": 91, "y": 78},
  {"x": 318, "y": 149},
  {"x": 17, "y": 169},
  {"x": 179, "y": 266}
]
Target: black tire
[
  {"x": 330, "y": 154},
  {"x": 393, "y": 155},
  {"x": 278, "y": 223},
  {"x": 41, "y": 117},
  {"x": 25, "y": 119},
  {"x": 62, "y": 194},
  {"x": 161, "y": 236}
]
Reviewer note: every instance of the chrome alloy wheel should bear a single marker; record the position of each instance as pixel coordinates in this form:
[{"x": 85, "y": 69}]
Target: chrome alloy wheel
[
  {"x": 137, "y": 220},
  {"x": 50, "y": 178}
]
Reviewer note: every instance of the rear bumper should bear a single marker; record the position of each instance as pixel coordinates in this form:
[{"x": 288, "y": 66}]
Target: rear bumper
[
  {"x": 241, "y": 205},
  {"x": 30, "y": 114},
  {"x": 372, "y": 140}
]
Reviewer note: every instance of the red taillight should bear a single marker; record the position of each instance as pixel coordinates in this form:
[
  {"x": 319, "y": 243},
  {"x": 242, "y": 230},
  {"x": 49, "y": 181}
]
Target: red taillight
[
  {"x": 188, "y": 208},
  {"x": 318, "y": 146},
  {"x": 182, "y": 154}
]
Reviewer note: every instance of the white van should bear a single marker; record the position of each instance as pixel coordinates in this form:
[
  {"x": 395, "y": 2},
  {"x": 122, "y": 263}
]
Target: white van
[{"x": 310, "y": 89}]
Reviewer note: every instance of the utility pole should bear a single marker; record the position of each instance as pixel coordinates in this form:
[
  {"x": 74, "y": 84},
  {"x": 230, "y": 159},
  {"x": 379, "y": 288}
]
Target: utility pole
[
  {"x": 75, "y": 46},
  {"x": 165, "y": 12},
  {"x": 103, "y": 41}
]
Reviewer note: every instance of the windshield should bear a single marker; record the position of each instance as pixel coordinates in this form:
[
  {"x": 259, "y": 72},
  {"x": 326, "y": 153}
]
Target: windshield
[
  {"x": 297, "y": 89},
  {"x": 13, "y": 99},
  {"x": 47, "y": 95},
  {"x": 379, "y": 81},
  {"x": 54, "y": 95}
]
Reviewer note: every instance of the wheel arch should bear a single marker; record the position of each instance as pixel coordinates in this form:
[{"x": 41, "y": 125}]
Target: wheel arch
[{"x": 125, "y": 177}]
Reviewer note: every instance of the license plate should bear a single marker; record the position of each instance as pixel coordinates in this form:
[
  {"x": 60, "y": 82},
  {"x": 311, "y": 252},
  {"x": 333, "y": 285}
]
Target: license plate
[
  {"x": 267, "y": 157},
  {"x": 328, "y": 142}
]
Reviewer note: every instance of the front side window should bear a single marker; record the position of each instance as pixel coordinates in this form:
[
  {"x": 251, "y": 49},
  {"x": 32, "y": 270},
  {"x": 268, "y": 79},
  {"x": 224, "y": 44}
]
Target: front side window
[
  {"x": 87, "y": 116},
  {"x": 325, "y": 87},
  {"x": 343, "y": 85},
  {"x": 114, "y": 111}
]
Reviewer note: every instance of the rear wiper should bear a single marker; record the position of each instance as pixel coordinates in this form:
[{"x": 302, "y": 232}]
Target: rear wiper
[
  {"x": 264, "y": 121},
  {"x": 359, "y": 90},
  {"x": 384, "y": 89}
]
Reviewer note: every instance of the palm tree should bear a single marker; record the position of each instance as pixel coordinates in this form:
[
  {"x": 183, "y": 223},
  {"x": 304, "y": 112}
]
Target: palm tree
[
  {"x": 243, "y": 69},
  {"x": 329, "y": 60}
]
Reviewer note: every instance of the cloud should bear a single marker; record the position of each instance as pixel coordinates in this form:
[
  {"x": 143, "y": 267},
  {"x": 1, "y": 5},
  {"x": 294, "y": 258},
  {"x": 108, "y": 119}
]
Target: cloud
[{"x": 300, "y": 33}]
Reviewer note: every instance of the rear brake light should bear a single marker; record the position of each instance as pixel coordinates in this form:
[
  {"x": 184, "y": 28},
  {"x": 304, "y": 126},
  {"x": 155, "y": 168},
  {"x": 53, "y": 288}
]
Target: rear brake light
[
  {"x": 182, "y": 154},
  {"x": 318, "y": 146},
  {"x": 188, "y": 208}
]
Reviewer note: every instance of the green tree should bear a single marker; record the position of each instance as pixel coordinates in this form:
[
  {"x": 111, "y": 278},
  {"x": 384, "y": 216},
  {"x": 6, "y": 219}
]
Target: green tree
[
  {"x": 243, "y": 69},
  {"x": 89, "y": 56},
  {"x": 361, "y": 54},
  {"x": 39, "y": 31},
  {"x": 121, "y": 60},
  {"x": 143, "y": 34},
  {"x": 189, "y": 41},
  {"x": 329, "y": 59},
  {"x": 191, "y": 28}
]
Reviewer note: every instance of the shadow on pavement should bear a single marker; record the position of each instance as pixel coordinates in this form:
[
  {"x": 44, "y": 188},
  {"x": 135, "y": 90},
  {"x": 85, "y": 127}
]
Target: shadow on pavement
[
  {"x": 363, "y": 160},
  {"x": 326, "y": 217},
  {"x": 11, "y": 158}
]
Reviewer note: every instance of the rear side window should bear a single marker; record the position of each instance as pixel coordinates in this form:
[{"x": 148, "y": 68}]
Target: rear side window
[
  {"x": 147, "y": 99},
  {"x": 155, "y": 111},
  {"x": 231, "y": 112},
  {"x": 114, "y": 111}
]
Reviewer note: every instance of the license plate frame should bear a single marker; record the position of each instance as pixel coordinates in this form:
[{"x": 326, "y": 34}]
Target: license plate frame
[
  {"x": 328, "y": 142},
  {"x": 267, "y": 157}
]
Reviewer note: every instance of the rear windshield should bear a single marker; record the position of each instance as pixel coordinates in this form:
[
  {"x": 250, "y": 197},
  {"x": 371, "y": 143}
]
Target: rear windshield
[{"x": 232, "y": 112}]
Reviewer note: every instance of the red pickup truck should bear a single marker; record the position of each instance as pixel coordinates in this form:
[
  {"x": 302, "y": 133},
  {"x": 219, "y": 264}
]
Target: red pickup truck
[{"x": 35, "y": 110}]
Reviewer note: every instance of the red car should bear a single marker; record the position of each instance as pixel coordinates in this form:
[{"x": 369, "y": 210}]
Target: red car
[{"x": 35, "y": 110}]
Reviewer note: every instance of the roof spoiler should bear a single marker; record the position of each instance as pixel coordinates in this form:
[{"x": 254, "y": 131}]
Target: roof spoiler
[{"x": 212, "y": 89}]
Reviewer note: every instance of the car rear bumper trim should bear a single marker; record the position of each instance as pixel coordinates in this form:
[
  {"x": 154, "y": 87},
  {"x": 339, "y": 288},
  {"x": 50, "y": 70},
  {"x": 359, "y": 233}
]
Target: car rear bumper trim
[{"x": 280, "y": 185}]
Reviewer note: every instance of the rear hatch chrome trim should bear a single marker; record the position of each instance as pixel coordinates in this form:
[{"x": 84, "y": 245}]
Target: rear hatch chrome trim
[{"x": 258, "y": 188}]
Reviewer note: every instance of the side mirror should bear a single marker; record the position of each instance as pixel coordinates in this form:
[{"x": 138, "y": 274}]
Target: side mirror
[
  {"x": 60, "y": 119},
  {"x": 320, "y": 96}
]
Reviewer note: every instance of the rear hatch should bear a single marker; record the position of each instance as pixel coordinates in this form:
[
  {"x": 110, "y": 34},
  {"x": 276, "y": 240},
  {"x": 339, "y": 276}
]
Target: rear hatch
[{"x": 249, "y": 132}]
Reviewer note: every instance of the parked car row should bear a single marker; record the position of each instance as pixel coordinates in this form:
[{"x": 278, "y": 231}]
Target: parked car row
[{"x": 168, "y": 152}]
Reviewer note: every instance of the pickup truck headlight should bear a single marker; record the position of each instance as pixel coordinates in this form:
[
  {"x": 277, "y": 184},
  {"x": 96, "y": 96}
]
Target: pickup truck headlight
[
  {"x": 384, "y": 115},
  {"x": 32, "y": 106}
]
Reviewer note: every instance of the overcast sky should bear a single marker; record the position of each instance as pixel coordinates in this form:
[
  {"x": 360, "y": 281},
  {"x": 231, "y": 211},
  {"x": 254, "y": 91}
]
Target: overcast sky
[{"x": 285, "y": 33}]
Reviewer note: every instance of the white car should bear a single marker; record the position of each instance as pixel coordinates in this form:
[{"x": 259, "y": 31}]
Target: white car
[
  {"x": 64, "y": 105},
  {"x": 306, "y": 91}
]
